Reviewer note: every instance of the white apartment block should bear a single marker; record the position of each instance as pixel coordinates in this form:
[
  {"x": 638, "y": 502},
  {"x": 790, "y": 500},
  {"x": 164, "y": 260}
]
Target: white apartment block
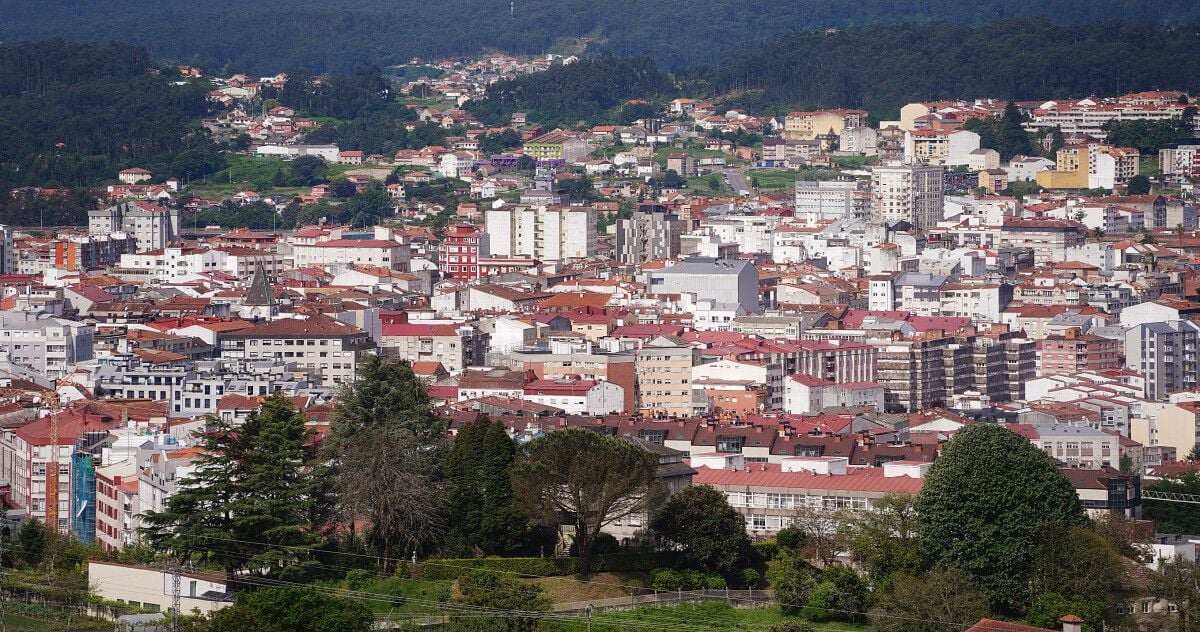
[
  {"x": 545, "y": 233},
  {"x": 908, "y": 191}
]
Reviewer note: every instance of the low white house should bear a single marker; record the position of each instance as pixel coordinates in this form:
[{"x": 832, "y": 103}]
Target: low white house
[
  {"x": 578, "y": 396},
  {"x": 152, "y": 588},
  {"x": 807, "y": 394}
]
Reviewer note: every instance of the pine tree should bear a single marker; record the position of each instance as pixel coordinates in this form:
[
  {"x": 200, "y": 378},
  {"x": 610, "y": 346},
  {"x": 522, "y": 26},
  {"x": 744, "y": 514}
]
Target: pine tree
[
  {"x": 385, "y": 394},
  {"x": 481, "y": 511},
  {"x": 254, "y": 489}
]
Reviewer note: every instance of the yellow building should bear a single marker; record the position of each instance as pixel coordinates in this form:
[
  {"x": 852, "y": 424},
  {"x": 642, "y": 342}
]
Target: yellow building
[
  {"x": 1070, "y": 169},
  {"x": 810, "y": 125}
]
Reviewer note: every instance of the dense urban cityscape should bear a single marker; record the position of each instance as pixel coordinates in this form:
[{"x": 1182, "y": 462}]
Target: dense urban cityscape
[{"x": 560, "y": 340}]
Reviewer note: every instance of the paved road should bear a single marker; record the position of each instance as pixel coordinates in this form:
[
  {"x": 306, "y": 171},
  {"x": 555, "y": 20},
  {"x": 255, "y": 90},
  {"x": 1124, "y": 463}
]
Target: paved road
[{"x": 736, "y": 178}]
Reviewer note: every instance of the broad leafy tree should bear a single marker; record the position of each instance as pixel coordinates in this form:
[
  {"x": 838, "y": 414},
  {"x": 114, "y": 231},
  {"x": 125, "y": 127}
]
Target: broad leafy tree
[
  {"x": 944, "y": 600},
  {"x": 293, "y": 609},
  {"x": 585, "y": 479},
  {"x": 1174, "y": 517},
  {"x": 793, "y": 580},
  {"x": 883, "y": 541},
  {"x": 984, "y": 504},
  {"x": 711, "y": 533}
]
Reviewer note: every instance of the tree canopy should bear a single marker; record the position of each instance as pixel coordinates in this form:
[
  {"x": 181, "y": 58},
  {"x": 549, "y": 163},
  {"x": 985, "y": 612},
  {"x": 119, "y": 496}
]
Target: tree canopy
[
  {"x": 586, "y": 479},
  {"x": 266, "y": 36},
  {"x": 252, "y": 500},
  {"x": 481, "y": 511},
  {"x": 385, "y": 394},
  {"x": 75, "y": 114},
  {"x": 984, "y": 504},
  {"x": 711, "y": 533}
]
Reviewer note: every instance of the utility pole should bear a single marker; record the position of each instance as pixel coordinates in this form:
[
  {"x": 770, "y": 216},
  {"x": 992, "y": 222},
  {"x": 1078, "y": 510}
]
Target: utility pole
[
  {"x": 175, "y": 590},
  {"x": 52, "y": 466}
]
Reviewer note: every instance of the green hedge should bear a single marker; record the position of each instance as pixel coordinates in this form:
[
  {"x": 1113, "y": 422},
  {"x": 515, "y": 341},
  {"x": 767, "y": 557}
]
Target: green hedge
[{"x": 546, "y": 566}]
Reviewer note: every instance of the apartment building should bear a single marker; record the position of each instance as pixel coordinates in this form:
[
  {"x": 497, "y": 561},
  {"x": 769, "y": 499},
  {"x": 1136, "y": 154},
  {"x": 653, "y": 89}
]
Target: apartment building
[
  {"x": 941, "y": 146},
  {"x": 1049, "y": 239},
  {"x": 1073, "y": 352},
  {"x": 151, "y": 226},
  {"x": 664, "y": 376},
  {"x": 1165, "y": 353},
  {"x": 456, "y": 345},
  {"x": 545, "y": 233},
  {"x": 908, "y": 191},
  {"x": 810, "y": 125},
  {"x": 117, "y": 505},
  {"x": 26, "y": 453},
  {"x": 818, "y": 201},
  {"x": 325, "y": 348},
  {"x": 459, "y": 253},
  {"x": 649, "y": 233},
  {"x": 573, "y": 357},
  {"x": 50, "y": 346}
]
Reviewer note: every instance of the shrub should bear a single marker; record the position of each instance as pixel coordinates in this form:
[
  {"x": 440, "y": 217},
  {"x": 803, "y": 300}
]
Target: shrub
[
  {"x": 545, "y": 566},
  {"x": 765, "y": 551},
  {"x": 358, "y": 579},
  {"x": 750, "y": 577},
  {"x": 713, "y": 581},
  {"x": 790, "y": 538},
  {"x": 666, "y": 579}
]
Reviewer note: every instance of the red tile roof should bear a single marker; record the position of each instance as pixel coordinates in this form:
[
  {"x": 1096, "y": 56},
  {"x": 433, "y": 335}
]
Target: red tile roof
[{"x": 771, "y": 475}]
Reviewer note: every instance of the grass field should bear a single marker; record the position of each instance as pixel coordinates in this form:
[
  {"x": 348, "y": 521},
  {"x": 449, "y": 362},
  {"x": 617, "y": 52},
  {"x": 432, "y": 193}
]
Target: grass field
[
  {"x": 423, "y": 590},
  {"x": 253, "y": 172},
  {"x": 769, "y": 179},
  {"x": 706, "y": 617}
]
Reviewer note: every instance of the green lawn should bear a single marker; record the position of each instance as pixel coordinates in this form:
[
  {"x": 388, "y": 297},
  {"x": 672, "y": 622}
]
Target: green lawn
[
  {"x": 700, "y": 185},
  {"x": 253, "y": 172},
  {"x": 1149, "y": 166},
  {"x": 700, "y": 617},
  {"x": 423, "y": 590},
  {"x": 769, "y": 179}
]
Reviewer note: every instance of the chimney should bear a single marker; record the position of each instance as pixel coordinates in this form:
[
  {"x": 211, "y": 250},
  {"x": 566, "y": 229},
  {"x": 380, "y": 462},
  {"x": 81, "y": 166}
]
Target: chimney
[{"x": 1071, "y": 623}]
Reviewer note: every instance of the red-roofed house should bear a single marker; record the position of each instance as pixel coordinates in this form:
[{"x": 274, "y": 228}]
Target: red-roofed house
[
  {"x": 28, "y": 450},
  {"x": 454, "y": 345},
  {"x": 577, "y": 396},
  {"x": 768, "y": 494}
]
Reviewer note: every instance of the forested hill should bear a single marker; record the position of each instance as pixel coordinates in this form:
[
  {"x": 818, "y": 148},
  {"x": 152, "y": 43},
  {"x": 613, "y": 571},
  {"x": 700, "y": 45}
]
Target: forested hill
[
  {"x": 264, "y": 36},
  {"x": 73, "y": 114},
  {"x": 881, "y": 67}
]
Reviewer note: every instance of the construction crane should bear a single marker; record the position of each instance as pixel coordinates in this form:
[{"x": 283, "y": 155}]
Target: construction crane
[{"x": 53, "y": 403}]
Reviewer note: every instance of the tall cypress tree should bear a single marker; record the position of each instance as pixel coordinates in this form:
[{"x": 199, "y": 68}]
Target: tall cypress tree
[
  {"x": 254, "y": 489},
  {"x": 481, "y": 508}
]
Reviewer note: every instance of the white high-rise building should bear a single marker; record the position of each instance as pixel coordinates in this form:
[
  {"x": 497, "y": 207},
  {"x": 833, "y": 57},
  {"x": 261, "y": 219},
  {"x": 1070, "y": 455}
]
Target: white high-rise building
[
  {"x": 545, "y": 233},
  {"x": 910, "y": 191},
  {"x": 152, "y": 226},
  {"x": 824, "y": 200}
]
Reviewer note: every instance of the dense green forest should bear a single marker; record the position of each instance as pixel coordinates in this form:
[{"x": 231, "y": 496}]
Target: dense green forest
[
  {"x": 270, "y": 35},
  {"x": 74, "y": 114},
  {"x": 879, "y": 68},
  {"x": 564, "y": 95}
]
